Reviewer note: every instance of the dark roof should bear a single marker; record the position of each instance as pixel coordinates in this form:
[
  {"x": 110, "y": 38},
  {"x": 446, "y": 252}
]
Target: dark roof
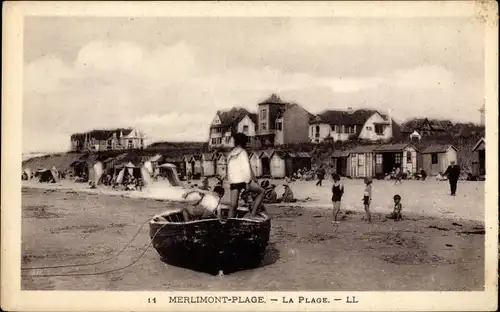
[
  {"x": 392, "y": 147},
  {"x": 103, "y": 134},
  {"x": 281, "y": 154},
  {"x": 208, "y": 156},
  {"x": 253, "y": 117},
  {"x": 437, "y": 148},
  {"x": 232, "y": 117},
  {"x": 480, "y": 145},
  {"x": 339, "y": 154},
  {"x": 273, "y": 99},
  {"x": 337, "y": 117},
  {"x": 364, "y": 149},
  {"x": 417, "y": 124}
]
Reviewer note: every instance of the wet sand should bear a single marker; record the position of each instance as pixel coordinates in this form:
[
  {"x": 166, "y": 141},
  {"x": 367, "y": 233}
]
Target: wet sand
[{"x": 306, "y": 251}]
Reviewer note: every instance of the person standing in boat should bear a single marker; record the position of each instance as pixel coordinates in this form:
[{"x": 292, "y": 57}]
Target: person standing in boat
[{"x": 240, "y": 175}]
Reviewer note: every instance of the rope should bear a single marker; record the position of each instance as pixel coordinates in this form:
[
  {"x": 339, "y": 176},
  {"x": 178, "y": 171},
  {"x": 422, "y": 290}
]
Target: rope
[
  {"x": 90, "y": 263},
  {"x": 108, "y": 271}
]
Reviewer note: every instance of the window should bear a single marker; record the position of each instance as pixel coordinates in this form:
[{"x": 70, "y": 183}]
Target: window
[
  {"x": 110, "y": 144},
  {"x": 368, "y": 128},
  {"x": 245, "y": 128},
  {"x": 317, "y": 129},
  {"x": 228, "y": 139},
  {"x": 350, "y": 129},
  {"x": 130, "y": 144},
  {"x": 263, "y": 114},
  {"x": 279, "y": 125},
  {"x": 214, "y": 141},
  {"x": 379, "y": 129},
  {"x": 434, "y": 158},
  {"x": 408, "y": 156},
  {"x": 361, "y": 160},
  {"x": 397, "y": 158},
  {"x": 337, "y": 128},
  {"x": 142, "y": 142},
  {"x": 378, "y": 159},
  {"x": 263, "y": 126}
]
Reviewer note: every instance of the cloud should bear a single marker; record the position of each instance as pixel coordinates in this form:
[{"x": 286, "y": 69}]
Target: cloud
[{"x": 171, "y": 83}]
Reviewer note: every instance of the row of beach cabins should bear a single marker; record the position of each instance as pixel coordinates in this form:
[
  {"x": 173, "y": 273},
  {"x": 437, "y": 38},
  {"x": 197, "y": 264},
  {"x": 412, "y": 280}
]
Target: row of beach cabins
[{"x": 362, "y": 161}]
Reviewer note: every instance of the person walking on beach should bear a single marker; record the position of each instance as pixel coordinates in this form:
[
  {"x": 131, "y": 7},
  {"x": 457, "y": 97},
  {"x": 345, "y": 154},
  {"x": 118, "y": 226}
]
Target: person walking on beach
[
  {"x": 240, "y": 175},
  {"x": 337, "y": 192},
  {"x": 398, "y": 176},
  {"x": 367, "y": 198},
  {"x": 321, "y": 175},
  {"x": 453, "y": 173}
]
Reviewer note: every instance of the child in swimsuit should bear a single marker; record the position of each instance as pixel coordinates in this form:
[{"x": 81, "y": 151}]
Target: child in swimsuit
[
  {"x": 367, "y": 198},
  {"x": 337, "y": 192},
  {"x": 396, "y": 215}
]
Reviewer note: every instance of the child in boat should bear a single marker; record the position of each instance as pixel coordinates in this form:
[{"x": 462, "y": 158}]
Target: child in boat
[
  {"x": 367, "y": 198},
  {"x": 240, "y": 175},
  {"x": 337, "y": 192},
  {"x": 396, "y": 215},
  {"x": 206, "y": 206}
]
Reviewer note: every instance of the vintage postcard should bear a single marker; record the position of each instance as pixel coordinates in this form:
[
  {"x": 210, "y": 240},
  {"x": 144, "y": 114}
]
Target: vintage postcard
[{"x": 249, "y": 156}]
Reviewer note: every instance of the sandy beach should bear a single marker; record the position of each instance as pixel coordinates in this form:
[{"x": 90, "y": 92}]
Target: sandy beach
[{"x": 438, "y": 247}]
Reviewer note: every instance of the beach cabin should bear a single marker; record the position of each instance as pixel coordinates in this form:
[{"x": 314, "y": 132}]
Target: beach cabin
[
  {"x": 479, "y": 158},
  {"x": 255, "y": 163},
  {"x": 339, "y": 162},
  {"x": 265, "y": 160},
  {"x": 278, "y": 164},
  {"x": 361, "y": 162},
  {"x": 193, "y": 166},
  {"x": 221, "y": 165},
  {"x": 434, "y": 159},
  {"x": 208, "y": 164},
  {"x": 390, "y": 156},
  {"x": 178, "y": 161},
  {"x": 296, "y": 161}
]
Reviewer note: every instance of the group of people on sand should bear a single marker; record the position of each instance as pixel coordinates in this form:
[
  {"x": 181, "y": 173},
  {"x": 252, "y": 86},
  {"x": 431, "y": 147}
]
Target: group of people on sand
[{"x": 338, "y": 192}]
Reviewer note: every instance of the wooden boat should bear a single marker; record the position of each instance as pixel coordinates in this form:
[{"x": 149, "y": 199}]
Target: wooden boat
[{"x": 211, "y": 245}]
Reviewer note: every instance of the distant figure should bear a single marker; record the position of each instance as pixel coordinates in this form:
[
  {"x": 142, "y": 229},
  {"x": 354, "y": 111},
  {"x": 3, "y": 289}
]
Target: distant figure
[
  {"x": 453, "y": 173},
  {"x": 337, "y": 192},
  {"x": 272, "y": 196},
  {"x": 287, "y": 196},
  {"x": 423, "y": 174},
  {"x": 398, "y": 176},
  {"x": 321, "y": 175},
  {"x": 367, "y": 198},
  {"x": 240, "y": 175},
  {"x": 204, "y": 184},
  {"x": 396, "y": 215}
]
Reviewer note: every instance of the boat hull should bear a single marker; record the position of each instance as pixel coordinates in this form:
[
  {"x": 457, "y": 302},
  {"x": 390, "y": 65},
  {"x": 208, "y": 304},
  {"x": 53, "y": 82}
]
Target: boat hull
[{"x": 212, "y": 245}]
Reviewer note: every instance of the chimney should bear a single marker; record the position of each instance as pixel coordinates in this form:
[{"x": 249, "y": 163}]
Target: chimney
[
  {"x": 349, "y": 110},
  {"x": 389, "y": 116}
]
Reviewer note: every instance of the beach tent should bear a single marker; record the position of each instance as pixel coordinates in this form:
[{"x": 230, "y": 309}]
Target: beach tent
[
  {"x": 135, "y": 171},
  {"x": 97, "y": 172},
  {"x": 169, "y": 171},
  {"x": 151, "y": 163},
  {"x": 27, "y": 175},
  {"x": 46, "y": 176}
]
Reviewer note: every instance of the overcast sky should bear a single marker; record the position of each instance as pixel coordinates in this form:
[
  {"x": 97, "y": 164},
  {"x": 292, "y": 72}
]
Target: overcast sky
[{"x": 168, "y": 76}]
